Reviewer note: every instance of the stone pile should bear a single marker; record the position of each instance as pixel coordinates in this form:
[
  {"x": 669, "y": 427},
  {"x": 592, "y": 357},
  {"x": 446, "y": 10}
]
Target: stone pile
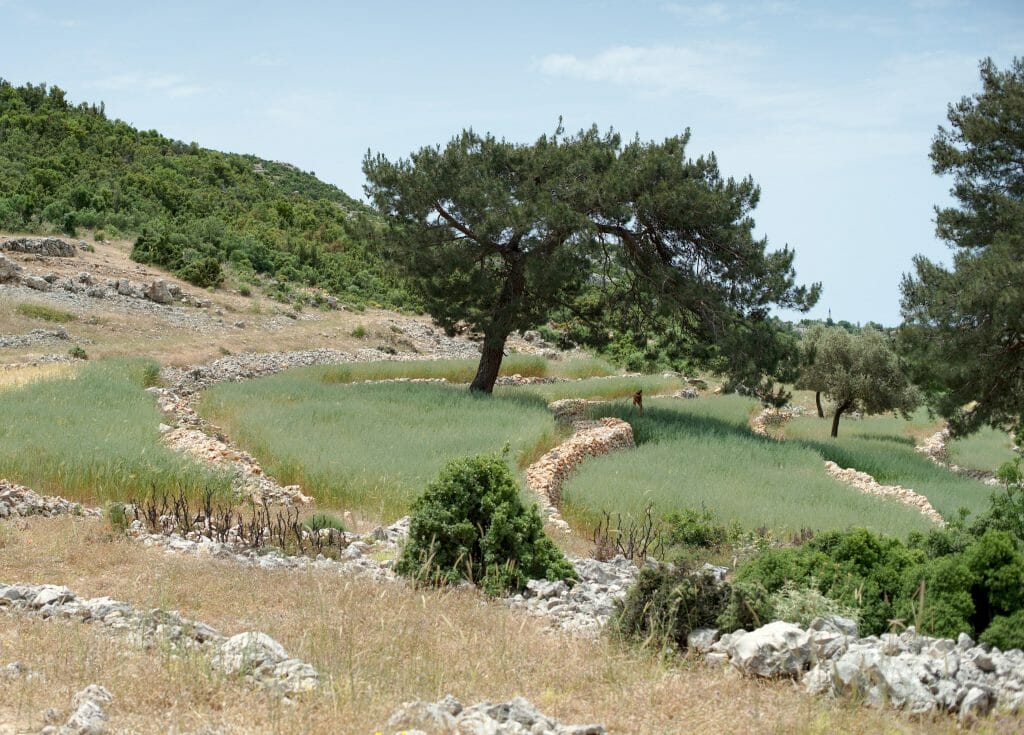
[
  {"x": 449, "y": 717},
  {"x": 517, "y": 380},
  {"x": 88, "y": 715},
  {"x": 256, "y": 656},
  {"x": 936, "y": 448},
  {"x": 907, "y": 671},
  {"x": 867, "y": 484},
  {"x": 772, "y": 418},
  {"x": 49, "y": 247},
  {"x": 20, "y": 501},
  {"x": 9, "y": 270},
  {"x": 358, "y": 557},
  {"x": 589, "y": 439},
  {"x": 245, "y": 366},
  {"x": 586, "y": 606},
  {"x": 34, "y": 337}
]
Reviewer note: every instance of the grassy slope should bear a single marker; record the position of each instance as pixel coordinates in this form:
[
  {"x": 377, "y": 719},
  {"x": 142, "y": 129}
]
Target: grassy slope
[
  {"x": 985, "y": 450},
  {"x": 693, "y": 453},
  {"x": 370, "y": 447},
  {"x": 92, "y": 438},
  {"x": 883, "y": 447}
]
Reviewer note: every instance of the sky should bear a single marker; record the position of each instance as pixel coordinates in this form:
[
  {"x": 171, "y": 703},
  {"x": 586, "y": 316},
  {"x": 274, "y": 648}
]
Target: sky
[{"x": 830, "y": 107}]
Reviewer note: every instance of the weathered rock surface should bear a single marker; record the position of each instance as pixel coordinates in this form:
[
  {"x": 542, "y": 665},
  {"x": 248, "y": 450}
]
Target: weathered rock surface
[
  {"x": 449, "y": 717},
  {"x": 254, "y": 655},
  {"x": 89, "y": 716},
  {"x": 34, "y": 337},
  {"x": 9, "y": 270},
  {"x": 50, "y": 247},
  {"x": 910, "y": 672},
  {"x": 588, "y": 605}
]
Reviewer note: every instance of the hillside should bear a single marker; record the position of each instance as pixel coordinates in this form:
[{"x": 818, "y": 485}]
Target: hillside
[{"x": 66, "y": 167}]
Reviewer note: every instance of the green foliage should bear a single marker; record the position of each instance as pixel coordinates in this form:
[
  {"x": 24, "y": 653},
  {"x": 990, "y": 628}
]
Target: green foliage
[
  {"x": 367, "y": 447},
  {"x": 937, "y": 597},
  {"x": 694, "y": 528},
  {"x": 856, "y": 371},
  {"x": 667, "y": 603},
  {"x": 63, "y": 167},
  {"x": 497, "y": 236},
  {"x": 359, "y": 332},
  {"x": 702, "y": 453},
  {"x": 78, "y": 352},
  {"x": 801, "y": 605},
  {"x": 117, "y": 516},
  {"x": 471, "y": 524},
  {"x": 963, "y": 327},
  {"x": 1005, "y": 632},
  {"x": 95, "y": 438},
  {"x": 46, "y": 313},
  {"x": 324, "y": 521}
]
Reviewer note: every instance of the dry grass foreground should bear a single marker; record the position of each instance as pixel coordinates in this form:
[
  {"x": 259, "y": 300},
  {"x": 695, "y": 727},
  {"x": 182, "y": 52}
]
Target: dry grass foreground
[{"x": 376, "y": 645}]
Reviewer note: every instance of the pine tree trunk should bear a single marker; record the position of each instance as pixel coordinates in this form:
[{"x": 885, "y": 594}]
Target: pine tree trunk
[
  {"x": 490, "y": 363},
  {"x": 835, "y": 419},
  {"x": 817, "y": 402}
]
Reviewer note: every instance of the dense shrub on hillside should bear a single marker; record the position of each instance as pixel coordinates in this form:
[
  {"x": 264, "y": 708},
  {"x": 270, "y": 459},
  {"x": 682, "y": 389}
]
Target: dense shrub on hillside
[
  {"x": 471, "y": 524},
  {"x": 65, "y": 167},
  {"x": 667, "y": 603}
]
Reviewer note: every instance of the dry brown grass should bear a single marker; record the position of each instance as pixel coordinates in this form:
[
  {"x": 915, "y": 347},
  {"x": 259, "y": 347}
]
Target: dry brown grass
[
  {"x": 21, "y": 376},
  {"x": 376, "y": 645}
]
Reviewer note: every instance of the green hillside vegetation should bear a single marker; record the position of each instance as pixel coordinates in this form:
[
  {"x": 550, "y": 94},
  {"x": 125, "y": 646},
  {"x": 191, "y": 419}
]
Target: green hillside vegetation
[
  {"x": 702, "y": 453},
  {"x": 371, "y": 447},
  {"x": 986, "y": 450},
  {"x": 64, "y": 167}
]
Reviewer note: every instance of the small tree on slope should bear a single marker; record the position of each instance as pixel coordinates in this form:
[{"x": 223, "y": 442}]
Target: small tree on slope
[
  {"x": 861, "y": 372},
  {"x": 471, "y": 524}
]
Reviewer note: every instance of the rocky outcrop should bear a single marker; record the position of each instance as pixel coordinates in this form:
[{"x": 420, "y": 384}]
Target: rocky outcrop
[
  {"x": 449, "y": 717},
  {"x": 50, "y": 247},
  {"x": 20, "y": 501},
  {"x": 867, "y": 484},
  {"x": 159, "y": 293},
  {"x": 88, "y": 716},
  {"x": 9, "y": 270},
  {"x": 910, "y": 672},
  {"x": 255, "y": 656}
]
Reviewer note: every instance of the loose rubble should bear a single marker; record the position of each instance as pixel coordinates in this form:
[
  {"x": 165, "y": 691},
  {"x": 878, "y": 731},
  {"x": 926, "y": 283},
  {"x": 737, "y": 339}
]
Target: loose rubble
[
  {"x": 588, "y": 605},
  {"x": 936, "y": 448},
  {"x": 907, "y": 671},
  {"x": 449, "y": 717},
  {"x": 256, "y": 656},
  {"x": 20, "y": 501},
  {"x": 88, "y": 716},
  {"x": 867, "y": 484},
  {"x": 773, "y": 418},
  {"x": 34, "y": 337}
]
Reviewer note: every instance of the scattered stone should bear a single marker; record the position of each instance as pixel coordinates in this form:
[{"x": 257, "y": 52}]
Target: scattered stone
[
  {"x": 88, "y": 717},
  {"x": 34, "y": 337},
  {"x": 20, "y": 501},
  {"x": 449, "y": 717},
  {"x": 256, "y": 656}
]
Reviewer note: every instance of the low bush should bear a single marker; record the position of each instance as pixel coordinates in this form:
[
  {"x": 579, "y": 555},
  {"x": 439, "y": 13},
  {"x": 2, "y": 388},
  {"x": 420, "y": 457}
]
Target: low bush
[
  {"x": 471, "y": 524},
  {"x": 667, "y": 603},
  {"x": 324, "y": 521},
  {"x": 46, "y": 313},
  {"x": 1006, "y": 631},
  {"x": 78, "y": 352}
]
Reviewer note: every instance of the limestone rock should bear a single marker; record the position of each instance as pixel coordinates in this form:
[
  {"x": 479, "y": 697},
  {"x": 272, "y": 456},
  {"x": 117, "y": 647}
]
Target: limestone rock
[
  {"x": 9, "y": 270},
  {"x": 159, "y": 293},
  {"x": 776, "y": 649},
  {"x": 37, "y": 283}
]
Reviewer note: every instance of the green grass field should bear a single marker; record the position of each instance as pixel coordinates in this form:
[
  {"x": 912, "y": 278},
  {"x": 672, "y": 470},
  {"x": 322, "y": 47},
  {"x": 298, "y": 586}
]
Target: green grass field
[
  {"x": 607, "y": 389},
  {"x": 883, "y": 446},
  {"x": 462, "y": 371},
  {"x": 702, "y": 453},
  {"x": 985, "y": 450},
  {"x": 93, "y": 438},
  {"x": 371, "y": 447}
]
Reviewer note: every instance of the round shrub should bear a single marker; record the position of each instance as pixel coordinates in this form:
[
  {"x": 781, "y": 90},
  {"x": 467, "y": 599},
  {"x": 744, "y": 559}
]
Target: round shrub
[
  {"x": 324, "y": 521},
  {"x": 471, "y": 524},
  {"x": 669, "y": 602}
]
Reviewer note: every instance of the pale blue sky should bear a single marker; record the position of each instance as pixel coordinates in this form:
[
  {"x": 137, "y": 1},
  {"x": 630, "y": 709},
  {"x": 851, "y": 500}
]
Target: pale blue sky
[{"x": 831, "y": 107}]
